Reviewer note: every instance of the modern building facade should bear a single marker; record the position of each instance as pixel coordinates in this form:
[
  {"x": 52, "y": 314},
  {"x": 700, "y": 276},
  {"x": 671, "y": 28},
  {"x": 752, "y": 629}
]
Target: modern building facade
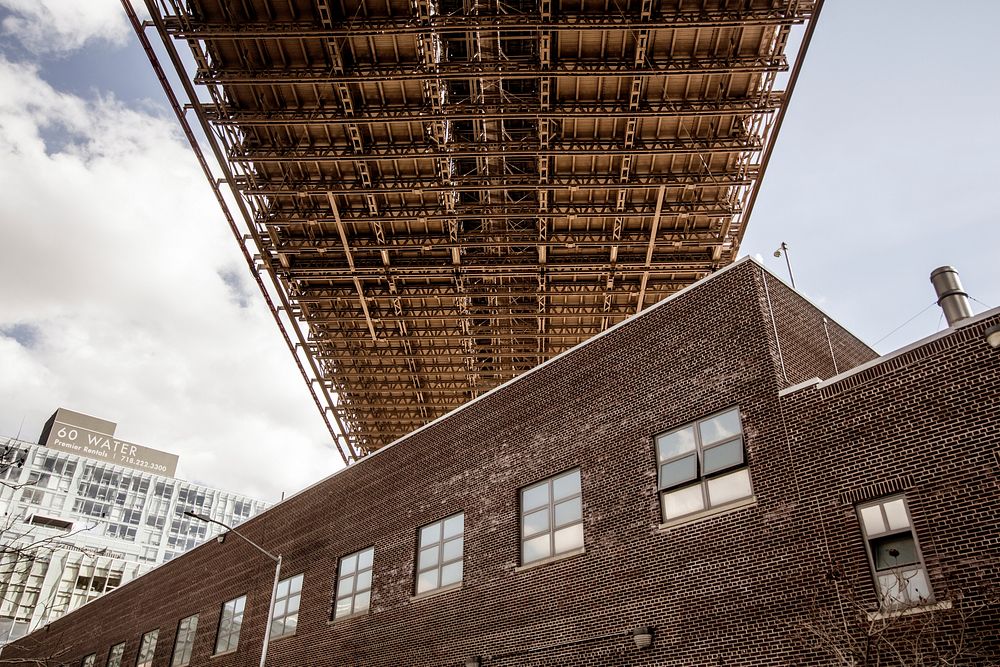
[
  {"x": 711, "y": 482},
  {"x": 76, "y": 526}
]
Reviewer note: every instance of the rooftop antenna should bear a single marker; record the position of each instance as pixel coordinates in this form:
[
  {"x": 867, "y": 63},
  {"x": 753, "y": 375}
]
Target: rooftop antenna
[{"x": 783, "y": 249}]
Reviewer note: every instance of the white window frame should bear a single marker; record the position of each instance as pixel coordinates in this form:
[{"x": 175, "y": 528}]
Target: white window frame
[
  {"x": 701, "y": 481},
  {"x": 147, "y": 649},
  {"x": 556, "y": 526},
  {"x": 357, "y": 598},
  {"x": 184, "y": 642},
  {"x": 437, "y": 559},
  {"x": 285, "y": 618},
  {"x": 898, "y": 586},
  {"x": 227, "y": 635}
]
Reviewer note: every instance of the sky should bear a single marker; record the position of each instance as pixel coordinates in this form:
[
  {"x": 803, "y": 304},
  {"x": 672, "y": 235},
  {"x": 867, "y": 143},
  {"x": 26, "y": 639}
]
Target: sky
[{"x": 123, "y": 294}]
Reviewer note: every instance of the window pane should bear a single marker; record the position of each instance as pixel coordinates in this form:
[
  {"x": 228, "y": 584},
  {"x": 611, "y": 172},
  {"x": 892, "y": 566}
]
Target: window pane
[
  {"x": 240, "y": 605},
  {"x": 452, "y": 549},
  {"x": 291, "y": 623},
  {"x": 536, "y": 548},
  {"x": 895, "y": 512},
  {"x": 567, "y": 485},
  {"x": 430, "y": 534},
  {"x": 293, "y": 604},
  {"x": 684, "y": 501},
  {"x": 276, "y": 627},
  {"x": 282, "y": 588},
  {"x": 347, "y": 585},
  {"x": 729, "y": 487},
  {"x": 569, "y": 511},
  {"x": 427, "y": 580},
  {"x": 363, "y": 581},
  {"x": 347, "y": 564},
  {"x": 365, "y": 558},
  {"x": 721, "y": 427},
  {"x": 361, "y": 601},
  {"x": 675, "y": 443},
  {"x": 917, "y": 588},
  {"x": 888, "y": 584},
  {"x": 535, "y": 522},
  {"x": 279, "y": 608},
  {"x": 343, "y": 607},
  {"x": 535, "y": 496},
  {"x": 428, "y": 558},
  {"x": 451, "y": 574},
  {"x": 893, "y": 551},
  {"x": 454, "y": 526},
  {"x": 724, "y": 456},
  {"x": 569, "y": 538},
  {"x": 872, "y": 516},
  {"x": 679, "y": 471}
]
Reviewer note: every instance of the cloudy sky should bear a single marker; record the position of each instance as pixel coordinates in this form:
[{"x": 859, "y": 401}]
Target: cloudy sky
[{"x": 123, "y": 295}]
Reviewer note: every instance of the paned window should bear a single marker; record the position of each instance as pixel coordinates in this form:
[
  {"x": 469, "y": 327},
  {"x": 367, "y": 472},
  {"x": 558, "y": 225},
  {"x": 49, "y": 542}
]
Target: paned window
[
  {"x": 147, "y": 647},
  {"x": 89, "y": 661},
  {"x": 115, "y": 656},
  {"x": 702, "y": 465},
  {"x": 551, "y": 517},
  {"x": 894, "y": 554},
  {"x": 439, "y": 558},
  {"x": 286, "y": 607},
  {"x": 184, "y": 644},
  {"x": 230, "y": 623},
  {"x": 354, "y": 583}
]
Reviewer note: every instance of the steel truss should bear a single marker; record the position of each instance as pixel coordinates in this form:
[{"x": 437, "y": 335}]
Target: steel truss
[{"x": 437, "y": 195}]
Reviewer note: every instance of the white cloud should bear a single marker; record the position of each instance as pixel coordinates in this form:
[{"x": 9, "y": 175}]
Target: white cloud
[
  {"x": 59, "y": 26},
  {"x": 118, "y": 298}
]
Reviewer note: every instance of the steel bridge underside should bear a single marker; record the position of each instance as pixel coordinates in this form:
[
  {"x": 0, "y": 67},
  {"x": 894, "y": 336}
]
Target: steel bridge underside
[{"x": 438, "y": 195}]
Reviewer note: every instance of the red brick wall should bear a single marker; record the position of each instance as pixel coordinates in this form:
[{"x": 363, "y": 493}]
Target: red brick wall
[{"x": 725, "y": 590}]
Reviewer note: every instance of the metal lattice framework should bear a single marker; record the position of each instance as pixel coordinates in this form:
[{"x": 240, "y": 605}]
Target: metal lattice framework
[{"x": 437, "y": 195}]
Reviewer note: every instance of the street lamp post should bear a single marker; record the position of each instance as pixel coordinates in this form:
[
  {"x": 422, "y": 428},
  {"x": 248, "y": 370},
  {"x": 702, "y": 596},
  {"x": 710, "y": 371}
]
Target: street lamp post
[{"x": 277, "y": 574}]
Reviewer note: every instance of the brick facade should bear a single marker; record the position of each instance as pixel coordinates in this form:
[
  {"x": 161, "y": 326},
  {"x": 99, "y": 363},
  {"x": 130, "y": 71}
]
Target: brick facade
[{"x": 730, "y": 588}]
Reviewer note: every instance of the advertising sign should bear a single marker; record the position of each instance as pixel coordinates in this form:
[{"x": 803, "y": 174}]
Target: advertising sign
[{"x": 66, "y": 432}]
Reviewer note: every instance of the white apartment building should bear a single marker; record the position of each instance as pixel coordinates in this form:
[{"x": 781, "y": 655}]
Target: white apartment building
[{"x": 75, "y": 526}]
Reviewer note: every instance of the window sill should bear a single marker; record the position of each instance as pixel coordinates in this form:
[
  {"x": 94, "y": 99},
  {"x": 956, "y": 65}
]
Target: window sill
[
  {"x": 551, "y": 559},
  {"x": 280, "y": 637},
  {"x": 219, "y": 655},
  {"x": 343, "y": 619},
  {"x": 437, "y": 591},
  {"x": 749, "y": 501},
  {"x": 909, "y": 611}
]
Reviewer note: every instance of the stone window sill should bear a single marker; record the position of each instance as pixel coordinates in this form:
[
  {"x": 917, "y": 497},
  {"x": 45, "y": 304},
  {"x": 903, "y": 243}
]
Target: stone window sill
[
  {"x": 909, "y": 611},
  {"x": 219, "y": 655},
  {"x": 551, "y": 559},
  {"x": 749, "y": 501},
  {"x": 437, "y": 591},
  {"x": 342, "y": 619}
]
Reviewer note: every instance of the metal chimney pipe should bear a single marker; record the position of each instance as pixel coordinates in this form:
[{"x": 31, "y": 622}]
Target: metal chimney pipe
[{"x": 951, "y": 297}]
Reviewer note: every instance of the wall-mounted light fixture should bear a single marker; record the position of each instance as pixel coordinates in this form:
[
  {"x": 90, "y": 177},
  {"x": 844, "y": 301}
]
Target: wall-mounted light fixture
[
  {"x": 642, "y": 635},
  {"x": 993, "y": 336}
]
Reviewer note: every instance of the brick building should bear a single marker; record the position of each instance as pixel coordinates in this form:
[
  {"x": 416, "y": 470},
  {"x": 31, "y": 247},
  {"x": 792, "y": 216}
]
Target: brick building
[{"x": 685, "y": 472}]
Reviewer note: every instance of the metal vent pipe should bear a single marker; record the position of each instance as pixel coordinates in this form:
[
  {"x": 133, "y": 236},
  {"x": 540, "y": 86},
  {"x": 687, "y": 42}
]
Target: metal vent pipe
[{"x": 951, "y": 297}]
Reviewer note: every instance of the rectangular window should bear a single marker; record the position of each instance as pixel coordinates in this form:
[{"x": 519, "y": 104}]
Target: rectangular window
[
  {"x": 230, "y": 623},
  {"x": 702, "y": 465},
  {"x": 89, "y": 661},
  {"x": 439, "y": 558},
  {"x": 115, "y": 656},
  {"x": 354, "y": 583},
  {"x": 147, "y": 647},
  {"x": 185, "y": 641},
  {"x": 551, "y": 517},
  {"x": 286, "y": 607},
  {"x": 894, "y": 554}
]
